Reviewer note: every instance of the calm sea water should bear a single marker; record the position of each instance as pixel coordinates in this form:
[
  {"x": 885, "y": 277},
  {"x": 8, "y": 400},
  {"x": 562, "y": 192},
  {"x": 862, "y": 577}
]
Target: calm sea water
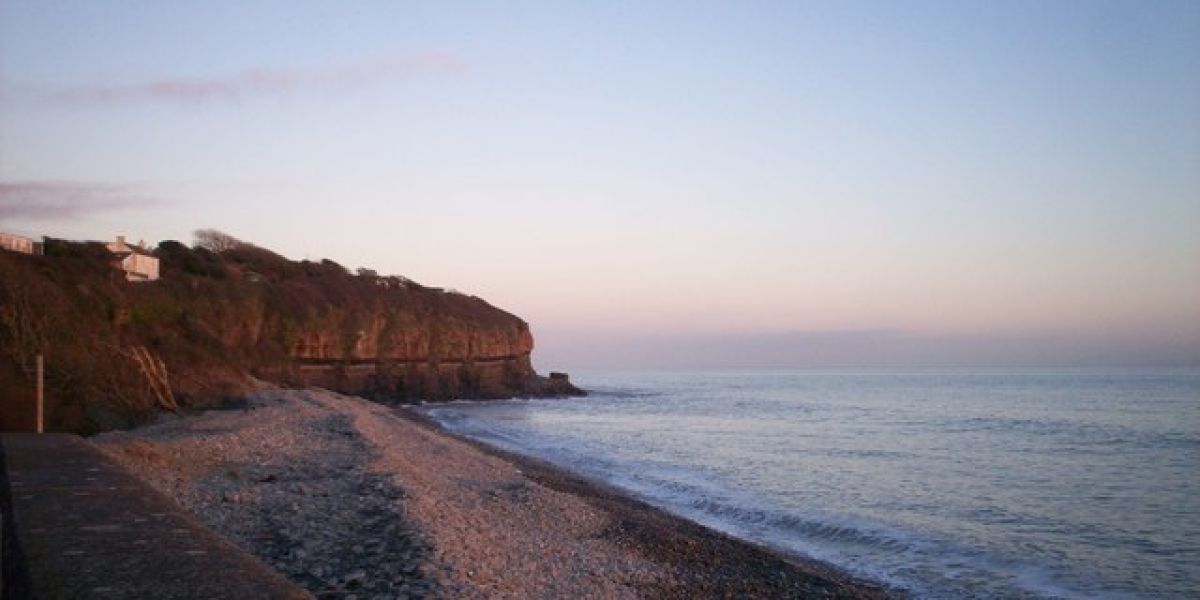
[{"x": 943, "y": 484}]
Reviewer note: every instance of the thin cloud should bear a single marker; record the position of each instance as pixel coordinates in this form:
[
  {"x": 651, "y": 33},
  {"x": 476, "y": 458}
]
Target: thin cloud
[
  {"x": 65, "y": 199},
  {"x": 251, "y": 83}
]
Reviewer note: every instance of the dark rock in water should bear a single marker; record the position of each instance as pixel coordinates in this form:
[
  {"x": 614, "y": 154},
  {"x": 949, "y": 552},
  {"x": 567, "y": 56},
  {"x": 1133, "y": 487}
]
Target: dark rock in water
[{"x": 557, "y": 384}]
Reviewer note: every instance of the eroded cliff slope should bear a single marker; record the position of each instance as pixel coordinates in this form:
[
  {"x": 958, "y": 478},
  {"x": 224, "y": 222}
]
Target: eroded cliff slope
[{"x": 116, "y": 351}]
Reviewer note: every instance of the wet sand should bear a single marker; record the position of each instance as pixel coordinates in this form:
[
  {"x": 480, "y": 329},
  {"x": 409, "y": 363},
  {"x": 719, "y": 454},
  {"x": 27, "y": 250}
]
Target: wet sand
[{"x": 353, "y": 499}]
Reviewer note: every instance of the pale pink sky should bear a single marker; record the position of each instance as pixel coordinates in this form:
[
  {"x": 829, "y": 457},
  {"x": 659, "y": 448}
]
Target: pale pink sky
[{"x": 1016, "y": 182}]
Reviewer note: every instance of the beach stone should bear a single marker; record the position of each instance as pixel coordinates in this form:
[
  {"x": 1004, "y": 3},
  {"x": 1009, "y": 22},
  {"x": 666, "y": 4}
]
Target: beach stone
[
  {"x": 329, "y": 506},
  {"x": 529, "y": 533}
]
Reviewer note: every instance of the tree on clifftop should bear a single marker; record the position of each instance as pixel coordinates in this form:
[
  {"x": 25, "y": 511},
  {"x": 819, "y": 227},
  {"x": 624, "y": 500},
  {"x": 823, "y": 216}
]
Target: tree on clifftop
[{"x": 216, "y": 241}]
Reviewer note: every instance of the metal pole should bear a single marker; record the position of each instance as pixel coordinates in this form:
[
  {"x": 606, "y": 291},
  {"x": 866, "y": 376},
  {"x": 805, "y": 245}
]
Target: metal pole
[{"x": 40, "y": 387}]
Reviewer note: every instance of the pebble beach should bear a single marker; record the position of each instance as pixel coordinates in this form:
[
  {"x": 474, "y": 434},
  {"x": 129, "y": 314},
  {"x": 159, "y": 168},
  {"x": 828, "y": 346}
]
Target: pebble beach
[{"x": 352, "y": 499}]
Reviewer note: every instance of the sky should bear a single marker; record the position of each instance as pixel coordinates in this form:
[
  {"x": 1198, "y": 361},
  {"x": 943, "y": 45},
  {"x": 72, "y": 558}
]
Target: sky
[{"x": 655, "y": 184}]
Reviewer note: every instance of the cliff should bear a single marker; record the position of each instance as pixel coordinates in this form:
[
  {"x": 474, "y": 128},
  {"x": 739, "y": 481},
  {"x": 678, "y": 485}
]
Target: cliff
[{"x": 116, "y": 351}]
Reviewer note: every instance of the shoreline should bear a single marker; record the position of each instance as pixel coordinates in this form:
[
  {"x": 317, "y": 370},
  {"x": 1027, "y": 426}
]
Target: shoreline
[
  {"x": 353, "y": 499},
  {"x": 736, "y": 566}
]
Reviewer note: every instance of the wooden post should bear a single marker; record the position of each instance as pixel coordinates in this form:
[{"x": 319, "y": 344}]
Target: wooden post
[{"x": 40, "y": 388}]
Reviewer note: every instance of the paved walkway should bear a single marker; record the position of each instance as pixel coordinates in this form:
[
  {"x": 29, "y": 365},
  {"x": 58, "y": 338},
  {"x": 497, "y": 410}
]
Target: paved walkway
[{"x": 77, "y": 525}]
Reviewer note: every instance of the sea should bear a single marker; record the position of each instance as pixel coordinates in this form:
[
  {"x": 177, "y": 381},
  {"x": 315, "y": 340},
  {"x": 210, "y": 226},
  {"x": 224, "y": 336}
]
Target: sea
[{"x": 934, "y": 483}]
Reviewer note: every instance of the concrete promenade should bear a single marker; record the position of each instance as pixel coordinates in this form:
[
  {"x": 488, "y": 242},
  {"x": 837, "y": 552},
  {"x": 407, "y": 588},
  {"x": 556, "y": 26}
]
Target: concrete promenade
[{"x": 77, "y": 525}]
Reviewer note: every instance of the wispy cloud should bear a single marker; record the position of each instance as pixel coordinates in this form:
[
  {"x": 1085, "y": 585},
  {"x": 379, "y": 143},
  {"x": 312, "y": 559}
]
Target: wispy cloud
[
  {"x": 65, "y": 199},
  {"x": 247, "y": 84}
]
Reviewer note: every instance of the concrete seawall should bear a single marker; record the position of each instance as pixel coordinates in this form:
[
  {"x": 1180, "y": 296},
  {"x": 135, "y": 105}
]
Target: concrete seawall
[{"x": 77, "y": 525}]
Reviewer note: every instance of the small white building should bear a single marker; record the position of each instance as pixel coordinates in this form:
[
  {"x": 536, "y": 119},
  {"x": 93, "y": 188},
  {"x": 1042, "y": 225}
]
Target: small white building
[
  {"x": 136, "y": 261},
  {"x": 17, "y": 243}
]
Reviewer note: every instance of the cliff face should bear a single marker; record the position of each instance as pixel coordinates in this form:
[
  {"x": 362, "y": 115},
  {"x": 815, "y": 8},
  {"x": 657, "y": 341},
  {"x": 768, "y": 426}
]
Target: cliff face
[
  {"x": 115, "y": 351},
  {"x": 396, "y": 356}
]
